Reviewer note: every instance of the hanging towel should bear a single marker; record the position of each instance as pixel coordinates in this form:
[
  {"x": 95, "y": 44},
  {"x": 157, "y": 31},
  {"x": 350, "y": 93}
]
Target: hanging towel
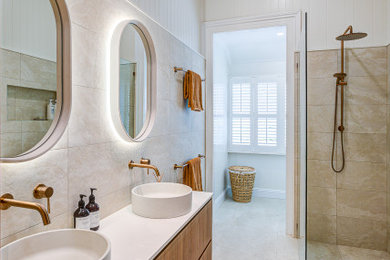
[
  {"x": 193, "y": 90},
  {"x": 192, "y": 174}
]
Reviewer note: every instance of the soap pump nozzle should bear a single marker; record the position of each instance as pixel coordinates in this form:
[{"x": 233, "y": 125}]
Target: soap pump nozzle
[
  {"x": 92, "y": 196},
  {"x": 82, "y": 202}
]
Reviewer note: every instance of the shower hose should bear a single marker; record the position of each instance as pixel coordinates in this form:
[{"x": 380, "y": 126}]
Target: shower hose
[{"x": 340, "y": 129}]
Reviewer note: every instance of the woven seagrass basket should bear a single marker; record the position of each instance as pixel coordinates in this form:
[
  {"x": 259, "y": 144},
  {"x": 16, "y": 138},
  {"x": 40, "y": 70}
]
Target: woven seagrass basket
[{"x": 242, "y": 179}]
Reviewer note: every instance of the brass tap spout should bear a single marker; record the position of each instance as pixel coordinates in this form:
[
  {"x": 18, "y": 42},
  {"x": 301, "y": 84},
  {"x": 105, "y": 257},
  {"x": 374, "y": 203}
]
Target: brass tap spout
[
  {"x": 145, "y": 163},
  {"x": 7, "y": 201}
]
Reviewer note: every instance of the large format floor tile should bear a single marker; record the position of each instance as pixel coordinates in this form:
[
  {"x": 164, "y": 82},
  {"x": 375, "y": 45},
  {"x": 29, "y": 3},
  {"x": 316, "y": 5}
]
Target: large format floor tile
[{"x": 254, "y": 230}]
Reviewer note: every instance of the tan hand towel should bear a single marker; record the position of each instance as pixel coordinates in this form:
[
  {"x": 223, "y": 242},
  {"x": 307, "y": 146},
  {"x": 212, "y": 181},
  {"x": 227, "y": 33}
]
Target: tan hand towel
[
  {"x": 193, "y": 90},
  {"x": 192, "y": 174}
]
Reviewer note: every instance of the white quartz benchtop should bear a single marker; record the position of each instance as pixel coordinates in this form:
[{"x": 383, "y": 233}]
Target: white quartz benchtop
[{"x": 135, "y": 237}]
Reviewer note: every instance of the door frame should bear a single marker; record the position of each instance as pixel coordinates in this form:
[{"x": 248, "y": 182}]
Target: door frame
[{"x": 292, "y": 21}]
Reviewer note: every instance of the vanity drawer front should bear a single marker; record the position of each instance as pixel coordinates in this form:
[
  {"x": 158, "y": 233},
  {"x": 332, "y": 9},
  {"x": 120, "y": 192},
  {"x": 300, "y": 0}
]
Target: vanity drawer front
[
  {"x": 192, "y": 241},
  {"x": 207, "y": 254}
]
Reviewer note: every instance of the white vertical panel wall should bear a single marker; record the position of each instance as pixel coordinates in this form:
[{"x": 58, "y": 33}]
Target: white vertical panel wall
[
  {"x": 28, "y": 27},
  {"x": 180, "y": 17},
  {"x": 326, "y": 18},
  {"x": 221, "y": 62}
]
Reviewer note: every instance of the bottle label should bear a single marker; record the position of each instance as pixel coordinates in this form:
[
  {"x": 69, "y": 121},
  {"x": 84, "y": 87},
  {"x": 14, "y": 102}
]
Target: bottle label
[
  {"x": 83, "y": 223},
  {"x": 95, "y": 219}
]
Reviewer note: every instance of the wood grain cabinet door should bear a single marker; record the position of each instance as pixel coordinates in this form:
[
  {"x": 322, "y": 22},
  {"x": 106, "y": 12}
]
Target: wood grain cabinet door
[
  {"x": 207, "y": 254},
  {"x": 192, "y": 241}
]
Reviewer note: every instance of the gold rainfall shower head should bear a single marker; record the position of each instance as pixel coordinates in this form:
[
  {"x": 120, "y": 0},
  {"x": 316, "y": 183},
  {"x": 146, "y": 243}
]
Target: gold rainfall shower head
[{"x": 349, "y": 35}]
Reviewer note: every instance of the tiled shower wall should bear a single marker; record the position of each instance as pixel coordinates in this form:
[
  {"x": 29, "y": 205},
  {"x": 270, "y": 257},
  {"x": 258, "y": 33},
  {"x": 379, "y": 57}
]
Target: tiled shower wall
[
  {"x": 90, "y": 153},
  {"x": 348, "y": 208},
  {"x": 26, "y": 85}
]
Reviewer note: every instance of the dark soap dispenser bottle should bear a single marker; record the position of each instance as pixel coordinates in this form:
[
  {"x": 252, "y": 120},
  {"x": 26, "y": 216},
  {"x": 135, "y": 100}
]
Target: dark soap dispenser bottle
[
  {"x": 93, "y": 208},
  {"x": 81, "y": 215}
]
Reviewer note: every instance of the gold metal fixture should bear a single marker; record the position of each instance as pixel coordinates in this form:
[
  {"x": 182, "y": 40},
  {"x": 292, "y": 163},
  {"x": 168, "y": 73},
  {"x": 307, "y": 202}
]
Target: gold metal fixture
[
  {"x": 145, "y": 163},
  {"x": 340, "y": 81},
  {"x": 42, "y": 191},
  {"x": 176, "y": 166},
  {"x": 177, "y": 69},
  {"x": 7, "y": 201}
]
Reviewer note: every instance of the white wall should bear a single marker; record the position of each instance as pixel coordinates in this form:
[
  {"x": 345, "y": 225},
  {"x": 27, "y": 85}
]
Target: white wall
[
  {"x": 388, "y": 22},
  {"x": 326, "y": 18},
  {"x": 270, "y": 169},
  {"x": 28, "y": 27},
  {"x": 180, "y": 17},
  {"x": 220, "y": 87},
  {"x": 277, "y": 68}
]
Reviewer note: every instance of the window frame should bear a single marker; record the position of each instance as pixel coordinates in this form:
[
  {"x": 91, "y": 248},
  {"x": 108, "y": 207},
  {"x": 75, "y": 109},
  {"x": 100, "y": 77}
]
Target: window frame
[{"x": 281, "y": 116}]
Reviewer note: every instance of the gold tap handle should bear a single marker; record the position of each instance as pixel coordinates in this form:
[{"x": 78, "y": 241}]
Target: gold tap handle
[
  {"x": 48, "y": 205},
  {"x": 42, "y": 191}
]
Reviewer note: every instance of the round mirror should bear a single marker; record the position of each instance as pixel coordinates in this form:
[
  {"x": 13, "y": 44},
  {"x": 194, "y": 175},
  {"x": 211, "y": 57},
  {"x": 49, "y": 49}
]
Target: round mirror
[
  {"x": 133, "y": 78},
  {"x": 35, "y": 95}
]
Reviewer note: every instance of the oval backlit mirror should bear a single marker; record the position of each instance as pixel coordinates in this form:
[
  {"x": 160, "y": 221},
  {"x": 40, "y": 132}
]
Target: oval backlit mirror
[
  {"x": 35, "y": 83},
  {"x": 133, "y": 81}
]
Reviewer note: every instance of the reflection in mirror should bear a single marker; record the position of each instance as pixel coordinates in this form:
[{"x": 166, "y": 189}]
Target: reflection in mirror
[
  {"x": 133, "y": 81},
  {"x": 28, "y": 74}
]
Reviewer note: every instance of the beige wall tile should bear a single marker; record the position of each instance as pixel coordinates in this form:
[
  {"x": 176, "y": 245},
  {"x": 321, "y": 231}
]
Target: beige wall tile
[
  {"x": 36, "y": 126},
  {"x": 320, "y": 174},
  {"x": 10, "y": 64},
  {"x": 321, "y": 200},
  {"x": 38, "y": 73},
  {"x": 369, "y": 62},
  {"x": 363, "y": 233},
  {"x": 86, "y": 128},
  {"x": 321, "y": 228},
  {"x": 321, "y": 91},
  {"x": 365, "y": 147},
  {"x": 21, "y": 178},
  {"x": 319, "y": 146},
  {"x": 366, "y": 90},
  {"x": 321, "y": 64},
  {"x": 30, "y": 139},
  {"x": 362, "y": 176},
  {"x": 10, "y": 144},
  {"x": 322, "y": 251},
  {"x": 320, "y": 119},
  {"x": 365, "y": 118},
  {"x": 361, "y": 204}
]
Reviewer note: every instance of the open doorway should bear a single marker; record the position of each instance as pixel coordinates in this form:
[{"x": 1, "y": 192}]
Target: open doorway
[{"x": 252, "y": 96}]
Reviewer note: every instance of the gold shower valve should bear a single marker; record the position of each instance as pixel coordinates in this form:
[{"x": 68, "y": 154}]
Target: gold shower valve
[{"x": 42, "y": 191}]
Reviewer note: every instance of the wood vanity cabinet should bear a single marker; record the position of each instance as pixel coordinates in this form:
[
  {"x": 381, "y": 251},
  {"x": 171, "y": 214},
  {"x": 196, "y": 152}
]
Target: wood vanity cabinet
[{"x": 194, "y": 241}]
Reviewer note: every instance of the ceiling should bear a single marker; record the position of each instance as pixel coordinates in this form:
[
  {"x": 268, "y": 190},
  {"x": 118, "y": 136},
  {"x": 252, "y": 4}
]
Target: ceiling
[{"x": 255, "y": 45}]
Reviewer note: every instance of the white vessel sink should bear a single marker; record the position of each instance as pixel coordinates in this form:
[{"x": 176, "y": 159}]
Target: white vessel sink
[
  {"x": 161, "y": 200},
  {"x": 61, "y": 244}
]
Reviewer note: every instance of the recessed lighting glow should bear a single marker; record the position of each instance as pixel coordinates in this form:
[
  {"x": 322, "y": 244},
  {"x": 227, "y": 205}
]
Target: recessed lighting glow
[{"x": 280, "y": 34}]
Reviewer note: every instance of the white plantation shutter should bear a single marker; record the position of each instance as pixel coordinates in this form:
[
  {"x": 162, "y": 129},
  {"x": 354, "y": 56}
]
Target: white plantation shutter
[
  {"x": 240, "y": 114},
  {"x": 267, "y": 109},
  {"x": 257, "y": 116}
]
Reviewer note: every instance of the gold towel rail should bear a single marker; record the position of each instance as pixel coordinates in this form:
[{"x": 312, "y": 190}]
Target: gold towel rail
[
  {"x": 176, "y": 166},
  {"x": 177, "y": 69}
]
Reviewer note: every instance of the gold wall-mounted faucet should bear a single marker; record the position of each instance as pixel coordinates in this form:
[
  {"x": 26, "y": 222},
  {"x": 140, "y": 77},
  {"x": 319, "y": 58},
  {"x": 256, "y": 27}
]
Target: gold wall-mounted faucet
[
  {"x": 145, "y": 163},
  {"x": 7, "y": 201},
  {"x": 41, "y": 191}
]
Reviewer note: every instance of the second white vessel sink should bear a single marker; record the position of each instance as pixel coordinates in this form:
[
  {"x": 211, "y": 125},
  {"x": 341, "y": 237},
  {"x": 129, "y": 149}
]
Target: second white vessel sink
[
  {"x": 161, "y": 200},
  {"x": 61, "y": 244}
]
